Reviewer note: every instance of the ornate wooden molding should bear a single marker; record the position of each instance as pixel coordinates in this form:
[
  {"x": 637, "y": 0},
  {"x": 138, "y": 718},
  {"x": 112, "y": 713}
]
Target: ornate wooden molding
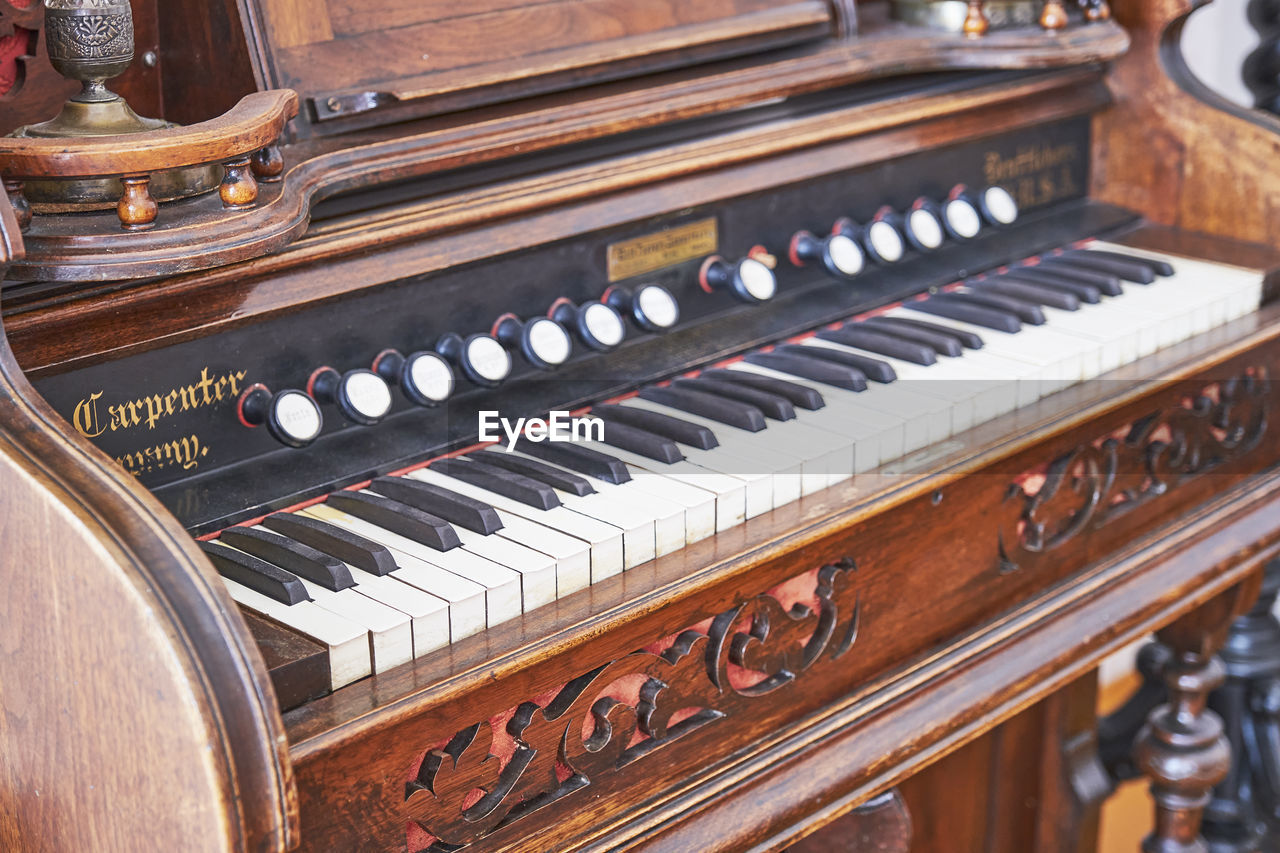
[
  {"x": 608, "y": 719},
  {"x": 1100, "y": 481}
]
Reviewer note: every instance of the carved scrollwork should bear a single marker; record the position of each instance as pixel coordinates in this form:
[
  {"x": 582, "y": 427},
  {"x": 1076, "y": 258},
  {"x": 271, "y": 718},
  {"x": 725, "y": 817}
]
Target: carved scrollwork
[
  {"x": 1099, "y": 482},
  {"x": 601, "y": 723}
]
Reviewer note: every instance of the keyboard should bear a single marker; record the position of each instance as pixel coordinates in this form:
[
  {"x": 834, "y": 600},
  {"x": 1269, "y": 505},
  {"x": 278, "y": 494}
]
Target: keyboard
[{"x": 389, "y": 570}]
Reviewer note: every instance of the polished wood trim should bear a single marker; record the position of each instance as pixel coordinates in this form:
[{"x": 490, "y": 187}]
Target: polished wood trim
[
  {"x": 136, "y": 705},
  {"x": 252, "y": 124},
  {"x": 1175, "y": 150}
]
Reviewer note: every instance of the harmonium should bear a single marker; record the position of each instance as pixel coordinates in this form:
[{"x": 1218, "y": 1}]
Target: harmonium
[{"x": 736, "y": 425}]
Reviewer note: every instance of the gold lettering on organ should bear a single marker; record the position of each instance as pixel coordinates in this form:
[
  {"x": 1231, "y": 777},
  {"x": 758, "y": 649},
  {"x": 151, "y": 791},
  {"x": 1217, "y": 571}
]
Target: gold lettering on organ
[
  {"x": 184, "y": 452},
  {"x": 1035, "y": 174},
  {"x": 91, "y": 418}
]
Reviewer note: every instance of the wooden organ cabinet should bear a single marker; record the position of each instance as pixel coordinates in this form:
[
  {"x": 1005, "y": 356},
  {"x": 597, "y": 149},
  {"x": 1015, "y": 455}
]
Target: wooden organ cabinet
[{"x": 930, "y": 368}]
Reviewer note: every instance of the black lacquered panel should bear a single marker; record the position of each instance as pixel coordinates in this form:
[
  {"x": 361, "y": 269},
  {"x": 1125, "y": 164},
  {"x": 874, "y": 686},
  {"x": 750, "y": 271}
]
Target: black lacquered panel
[{"x": 169, "y": 416}]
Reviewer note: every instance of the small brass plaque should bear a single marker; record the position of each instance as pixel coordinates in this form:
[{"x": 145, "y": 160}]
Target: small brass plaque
[{"x": 641, "y": 255}]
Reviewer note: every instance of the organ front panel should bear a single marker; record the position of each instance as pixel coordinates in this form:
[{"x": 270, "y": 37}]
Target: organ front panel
[{"x": 649, "y": 426}]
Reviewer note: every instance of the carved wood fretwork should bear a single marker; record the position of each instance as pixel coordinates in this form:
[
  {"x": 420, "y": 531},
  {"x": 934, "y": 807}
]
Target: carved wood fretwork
[
  {"x": 608, "y": 719},
  {"x": 1100, "y": 481}
]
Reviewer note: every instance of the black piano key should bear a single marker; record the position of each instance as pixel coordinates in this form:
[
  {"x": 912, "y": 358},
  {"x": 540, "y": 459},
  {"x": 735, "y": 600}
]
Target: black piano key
[
  {"x": 399, "y": 518},
  {"x": 303, "y": 560},
  {"x": 556, "y": 478},
  {"x": 719, "y": 409},
  {"x": 643, "y": 443},
  {"x": 872, "y": 368},
  {"x": 1036, "y": 293},
  {"x": 1160, "y": 268},
  {"x": 1026, "y": 275},
  {"x": 774, "y": 406},
  {"x": 468, "y": 513},
  {"x": 1027, "y": 312},
  {"x": 258, "y": 575},
  {"x": 500, "y": 481},
  {"x": 989, "y": 318},
  {"x": 939, "y": 343},
  {"x": 837, "y": 375},
  {"x": 584, "y": 460},
  {"x": 1126, "y": 270},
  {"x": 800, "y": 395},
  {"x": 1046, "y": 271},
  {"x": 853, "y": 335},
  {"x": 694, "y": 435},
  {"x": 351, "y": 548},
  {"x": 966, "y": 339}
]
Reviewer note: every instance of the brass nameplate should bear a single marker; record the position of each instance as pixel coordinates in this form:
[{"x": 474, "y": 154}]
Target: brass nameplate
[
  {"x": 1036, "y": 175},
  {"x": 641, "y": 255}
]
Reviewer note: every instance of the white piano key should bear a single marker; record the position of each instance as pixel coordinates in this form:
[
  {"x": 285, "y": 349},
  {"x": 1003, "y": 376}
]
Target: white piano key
[
  {"x": 729, "y": 491},
  {"x": 605, "y": 540},
  {"x": 653, "y": 477},
  {"x": 390, "y": 632},
  {"x": 572, "y": 556},
  {"x": 347, "y": 642},
  {"x": 1049, "y": 369},
  {"x": 631, "y": 510},
  {"x": 537, "y": 570},
  {"x": 502, "y": 585},
  {"x": 428, "y": 614}
]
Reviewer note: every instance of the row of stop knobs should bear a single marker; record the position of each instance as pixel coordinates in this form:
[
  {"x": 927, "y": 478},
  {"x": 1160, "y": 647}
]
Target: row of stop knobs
[
  {"x": 849, "y": 248},
  {"x": 428, "y": 377}
]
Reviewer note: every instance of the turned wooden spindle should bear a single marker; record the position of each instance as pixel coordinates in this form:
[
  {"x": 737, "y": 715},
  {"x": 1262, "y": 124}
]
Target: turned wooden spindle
[
  {"x": 137, "y": 208},
  {"x": 975, "y": 20},
  {"x": 1183, "y": 748},
  {"x": 1095, "y": 10},
  {"x": 21, "y": 207},
  {"x": 1261, "y": 69},
  {"x": 1245, "y": 811},
  {"x": 1053, "y": 16},
  {"x": 239, "y": 190},
  {"x": 268, "y": 164}
]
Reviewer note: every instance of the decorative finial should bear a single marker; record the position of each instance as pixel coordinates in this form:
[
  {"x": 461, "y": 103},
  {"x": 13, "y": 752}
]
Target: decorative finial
[
  {"x": 975, "y": 20},
  {"x": 1053, "y": 16}
]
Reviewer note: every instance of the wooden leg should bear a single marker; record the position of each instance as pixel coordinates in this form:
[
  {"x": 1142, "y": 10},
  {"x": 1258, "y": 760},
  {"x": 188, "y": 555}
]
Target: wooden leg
[
  {"x": 268, "y": 164},
  {"x": 137, "y": 209},
  {"x": 21, "y": 207},
  {"x": 1247, "y": 803},
  {"x": 1182, "y": 748},
  {"x": 880, "y": 825},
  {"x": 239, "y": 190}
]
